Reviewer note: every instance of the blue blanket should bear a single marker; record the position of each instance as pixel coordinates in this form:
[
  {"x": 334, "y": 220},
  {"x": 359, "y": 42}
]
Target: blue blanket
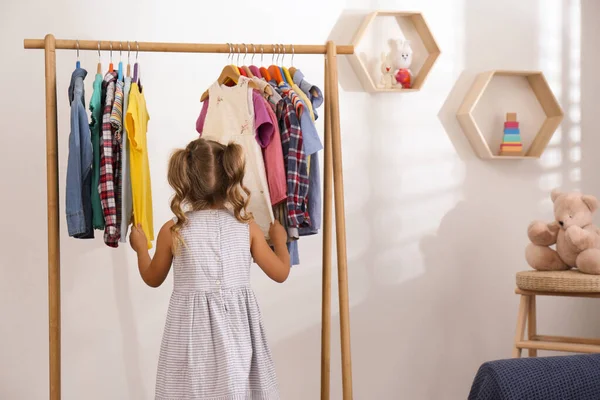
[{"x": 544, "y": 378}]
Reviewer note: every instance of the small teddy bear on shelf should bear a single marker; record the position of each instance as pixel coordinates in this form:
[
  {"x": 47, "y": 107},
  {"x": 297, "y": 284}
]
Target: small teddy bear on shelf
[
  {"x": 404, "y": 74},
  {"x": 577, "y": 239},
  {"x": 388, "y": 81}
]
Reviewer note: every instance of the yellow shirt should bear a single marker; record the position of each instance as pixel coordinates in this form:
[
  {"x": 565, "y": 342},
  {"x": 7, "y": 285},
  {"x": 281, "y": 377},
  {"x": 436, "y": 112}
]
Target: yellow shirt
[{"x": 136, "y": 122}]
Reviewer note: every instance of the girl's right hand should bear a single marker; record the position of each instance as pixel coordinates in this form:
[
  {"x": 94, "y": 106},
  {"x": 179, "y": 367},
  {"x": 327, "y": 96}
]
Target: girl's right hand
[
  {"x": 278, "y": 234},
  {"x": 137, "y": 238}
]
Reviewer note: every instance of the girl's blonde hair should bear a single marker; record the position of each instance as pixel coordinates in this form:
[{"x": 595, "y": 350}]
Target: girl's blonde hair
[{"x": 205, "y": 175}]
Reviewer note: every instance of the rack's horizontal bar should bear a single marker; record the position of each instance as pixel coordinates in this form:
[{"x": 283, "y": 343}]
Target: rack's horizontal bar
[{"x": 224, "y": 48}]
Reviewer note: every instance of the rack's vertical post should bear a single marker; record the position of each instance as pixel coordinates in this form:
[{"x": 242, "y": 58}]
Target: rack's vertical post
[
  {"x": 53, "y": 213},
  {"x": 327, "y": 224},
  {"x": 340, "y": 222}
]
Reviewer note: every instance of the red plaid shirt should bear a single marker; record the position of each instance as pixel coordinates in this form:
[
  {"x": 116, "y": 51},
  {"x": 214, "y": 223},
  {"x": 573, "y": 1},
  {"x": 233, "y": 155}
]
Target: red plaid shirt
[
  {"x": 295, "y": 163},
  {"x": 110, "y": 166}
]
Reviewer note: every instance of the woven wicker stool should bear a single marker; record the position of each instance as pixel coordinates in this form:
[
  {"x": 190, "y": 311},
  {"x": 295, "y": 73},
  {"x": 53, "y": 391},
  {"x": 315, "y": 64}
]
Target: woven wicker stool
[{"x": 552, "y": 283}]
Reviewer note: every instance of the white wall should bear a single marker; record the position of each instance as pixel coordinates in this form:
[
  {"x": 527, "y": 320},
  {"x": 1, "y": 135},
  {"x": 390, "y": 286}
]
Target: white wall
[{"x": 435, "y": 234}]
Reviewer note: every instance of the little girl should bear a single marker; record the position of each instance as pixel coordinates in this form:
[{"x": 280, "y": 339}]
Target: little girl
[{"x": 214, "y": 346}]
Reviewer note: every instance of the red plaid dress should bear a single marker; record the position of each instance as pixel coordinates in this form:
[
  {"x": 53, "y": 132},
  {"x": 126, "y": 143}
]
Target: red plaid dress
[{"x": 110, "y": 150}]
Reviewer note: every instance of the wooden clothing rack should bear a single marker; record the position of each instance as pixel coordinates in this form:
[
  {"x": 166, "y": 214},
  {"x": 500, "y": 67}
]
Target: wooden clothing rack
[{"x": 333, "y": 181}]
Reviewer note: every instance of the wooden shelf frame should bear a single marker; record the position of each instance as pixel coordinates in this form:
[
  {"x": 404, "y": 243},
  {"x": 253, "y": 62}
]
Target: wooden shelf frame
[
  {"x": 421, "y": 27},
  {"x": 543, "y": 93}
]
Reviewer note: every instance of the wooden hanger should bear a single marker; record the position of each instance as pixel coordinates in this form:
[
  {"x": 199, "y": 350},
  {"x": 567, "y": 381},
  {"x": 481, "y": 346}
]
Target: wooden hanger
[
  {"x": 249, "y": 73},
  {"x": 253, "y": 67},
  {"x": 274, "y": 70},
  {"x": 268, "y": 90},
  {"x": 229, "y": 73}
]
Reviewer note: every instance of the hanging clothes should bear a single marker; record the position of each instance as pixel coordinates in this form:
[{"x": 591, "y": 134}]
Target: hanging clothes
[
  {"x": 126, "y": 196},
  {"x": 264, "y": 126},
  {"x": 314, "y": 94},
  {"x": 230, "y": 118},
  {"x": 116, "y": 120},
  {"x": 96, "y": 110},
  {"x": 79, "y": 164},
  {"x": 136, "y": 124},
  {"x": 274, "y": 98},
  {"x": 272, "y": 154},
  {"x": 312, "y": 145},
  {"x": 255, "y": 71},
  {"x": 109, "y": 158},
  {"x": 299, "y": 92},
  {"x": 295, "y": 160}
]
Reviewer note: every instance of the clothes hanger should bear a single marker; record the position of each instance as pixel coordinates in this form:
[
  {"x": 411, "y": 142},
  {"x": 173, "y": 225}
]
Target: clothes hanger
[
  {"x": 99, "y": 68},
  {"x": 274, "y": 70},
  {"x": 232, "y": 54},
  {"x": 267, "y": 88},
  {"x": 139, "y": 80},
  {"x": 110, "y": 66},
  {"x": 263, "y": 70},
  {"x": 137, "y": 69},
  {"x": 292, "y": 68},
  {"x": 253, "y": 67},
  {"x": 78, "y": 63},
  {"x": 231, "y": 73},
  {"x": 286, "y": 74},
  {"x": 120, "y": 68},
  {"x": 240, "y": 69},
  {"x": 128, "y": 59},
  {"x": 245, "y": 67},
  {"x": 280, "y": 63},
  {"x": 135, "y": 66}
]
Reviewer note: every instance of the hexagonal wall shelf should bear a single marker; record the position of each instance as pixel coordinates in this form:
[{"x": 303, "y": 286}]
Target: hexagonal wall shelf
[
  {"x": 418, "y": 32},
  {"x": 552, "y": 111}
]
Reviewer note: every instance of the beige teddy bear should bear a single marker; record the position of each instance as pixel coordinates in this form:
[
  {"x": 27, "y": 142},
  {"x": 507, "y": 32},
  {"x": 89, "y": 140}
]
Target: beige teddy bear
[{"x": 577, "y": 239}]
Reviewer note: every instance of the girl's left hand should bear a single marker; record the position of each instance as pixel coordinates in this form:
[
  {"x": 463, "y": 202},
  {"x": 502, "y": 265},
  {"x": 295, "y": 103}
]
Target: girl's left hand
[{"x": 137, "y": 238}]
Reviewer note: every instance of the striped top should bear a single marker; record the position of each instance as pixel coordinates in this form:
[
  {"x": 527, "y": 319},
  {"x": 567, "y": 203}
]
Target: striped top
[{"x": 116, "y": 116}]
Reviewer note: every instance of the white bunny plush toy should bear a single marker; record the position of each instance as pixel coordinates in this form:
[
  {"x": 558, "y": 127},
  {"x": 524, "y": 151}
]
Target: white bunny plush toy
[
  {"x": 404, "y": 74},
  {"x": 388, "y": 80}
]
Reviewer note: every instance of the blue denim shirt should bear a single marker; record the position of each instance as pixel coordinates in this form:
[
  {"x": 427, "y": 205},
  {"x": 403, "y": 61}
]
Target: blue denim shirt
[
  {"x": 312, "y": 144},
  {"x": 314, "y": 198},
  {"x": 79, "y": 163}
]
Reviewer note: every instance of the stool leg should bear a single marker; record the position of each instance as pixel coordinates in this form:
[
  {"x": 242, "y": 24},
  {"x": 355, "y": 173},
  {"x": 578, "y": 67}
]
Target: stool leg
[
  {"x": 521, "y": 318},
  {"x": 532, "y": 324}
]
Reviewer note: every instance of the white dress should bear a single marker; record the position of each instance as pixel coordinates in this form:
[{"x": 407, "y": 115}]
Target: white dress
[
  {"x": 230, "y": 118},
  {"x": 214, "y": 346}
]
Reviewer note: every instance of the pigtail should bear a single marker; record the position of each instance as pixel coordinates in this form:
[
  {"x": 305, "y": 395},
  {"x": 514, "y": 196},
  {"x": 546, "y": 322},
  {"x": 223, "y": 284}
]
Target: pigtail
[
  {"x": 179, "y": 180},
  {"x": 237, "y": 195}
]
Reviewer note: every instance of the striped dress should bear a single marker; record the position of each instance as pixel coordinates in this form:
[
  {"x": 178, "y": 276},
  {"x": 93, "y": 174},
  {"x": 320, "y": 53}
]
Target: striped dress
[{"x": 214, "y": 346}]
